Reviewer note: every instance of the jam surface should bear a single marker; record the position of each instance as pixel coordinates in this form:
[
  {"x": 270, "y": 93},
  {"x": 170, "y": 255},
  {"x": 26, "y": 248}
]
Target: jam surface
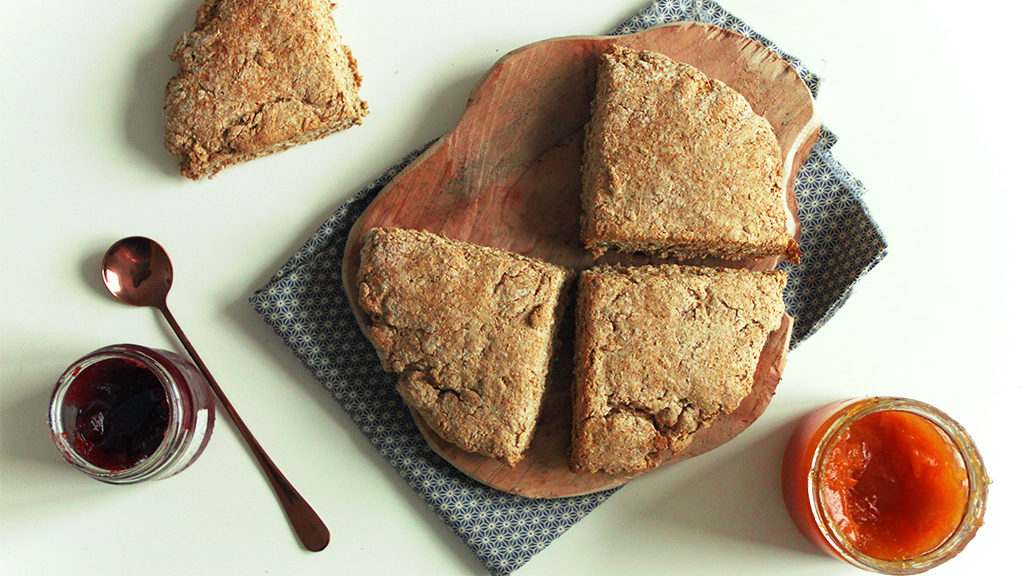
[
  {"x": 895, "y": 485},
  {"x": 120, "y": 413}
]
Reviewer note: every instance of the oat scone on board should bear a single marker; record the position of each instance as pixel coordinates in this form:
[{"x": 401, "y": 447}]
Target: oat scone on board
[
  {"x": 678, "y": 164},
  {"x": 660, "y": 352},
  {"x": 256, "y": 77},
  {"x": 470, "y": 330}
]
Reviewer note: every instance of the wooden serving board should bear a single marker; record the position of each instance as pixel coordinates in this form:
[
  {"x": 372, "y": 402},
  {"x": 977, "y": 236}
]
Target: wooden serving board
[{"x": 508, "y": 176}]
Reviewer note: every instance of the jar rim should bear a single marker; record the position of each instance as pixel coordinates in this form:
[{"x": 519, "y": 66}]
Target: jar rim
[
  {"x": 149, "y": 465},
  {"x": 977, "y": 477}
]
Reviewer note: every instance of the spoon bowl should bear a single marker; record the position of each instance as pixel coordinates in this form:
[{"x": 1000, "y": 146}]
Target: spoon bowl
[{"x": 137, "y": 271}]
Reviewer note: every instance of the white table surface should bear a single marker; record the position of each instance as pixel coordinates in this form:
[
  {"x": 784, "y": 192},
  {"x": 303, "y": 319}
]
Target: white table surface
[{"x": 926, "y": 104}]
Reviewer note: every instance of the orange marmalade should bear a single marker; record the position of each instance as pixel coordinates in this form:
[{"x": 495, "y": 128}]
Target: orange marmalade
[{"x": 887, "y": 484}]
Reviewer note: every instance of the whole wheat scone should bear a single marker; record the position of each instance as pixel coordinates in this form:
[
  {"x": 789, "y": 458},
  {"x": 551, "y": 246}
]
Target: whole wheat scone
[
  {"x": 660, "y": 352},
  {"x": 471, "y": 331},
  {"x": 678, "y": 164},
  {"x": 256, "y": 77}
]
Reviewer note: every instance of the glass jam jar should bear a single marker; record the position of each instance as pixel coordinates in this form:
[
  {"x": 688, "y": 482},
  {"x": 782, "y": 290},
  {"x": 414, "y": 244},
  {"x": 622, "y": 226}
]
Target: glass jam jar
[
  {"x": 890, "y": 485},
  {"x": 127, "y": 413}
]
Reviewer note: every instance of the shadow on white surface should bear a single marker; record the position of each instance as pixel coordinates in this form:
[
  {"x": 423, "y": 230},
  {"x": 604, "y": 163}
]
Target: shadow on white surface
[
  {"x": 144, "y": 98},
  {"x": 90, "y": 270},
  {"x": 26, "y": 433},
  {"x": 37, "y": 482},
  {"x": 738, "y": 497}
]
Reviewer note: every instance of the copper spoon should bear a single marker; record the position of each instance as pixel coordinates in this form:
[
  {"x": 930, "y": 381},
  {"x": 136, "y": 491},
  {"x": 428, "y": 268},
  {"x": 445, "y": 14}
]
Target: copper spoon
[{"x": 138, "y": 271}]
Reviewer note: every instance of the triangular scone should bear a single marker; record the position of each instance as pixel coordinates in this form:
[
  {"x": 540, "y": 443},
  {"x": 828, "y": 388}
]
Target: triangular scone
[
  {"x": 677, "y": 164},
  {"x": 660, "y": 352},
  {"x": 471, "y": 331},
  {"x": 256, "y": 77}
]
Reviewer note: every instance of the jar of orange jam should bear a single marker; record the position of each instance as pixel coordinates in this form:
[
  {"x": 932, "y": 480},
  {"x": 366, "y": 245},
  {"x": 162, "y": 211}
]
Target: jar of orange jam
[{"x": 887, "y": 484}]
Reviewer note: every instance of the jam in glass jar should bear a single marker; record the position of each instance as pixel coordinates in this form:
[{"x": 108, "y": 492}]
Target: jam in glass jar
[
  {"x": 890, "y": 485},
  {"x": 127, "y": 413}
]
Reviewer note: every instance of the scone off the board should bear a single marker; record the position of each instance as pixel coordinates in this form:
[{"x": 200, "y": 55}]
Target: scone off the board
[{"x": 256, "y": 77}]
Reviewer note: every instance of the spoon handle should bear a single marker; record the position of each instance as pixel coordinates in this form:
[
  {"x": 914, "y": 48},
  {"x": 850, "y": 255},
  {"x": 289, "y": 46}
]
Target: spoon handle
[{"x": 308, "y": 526}]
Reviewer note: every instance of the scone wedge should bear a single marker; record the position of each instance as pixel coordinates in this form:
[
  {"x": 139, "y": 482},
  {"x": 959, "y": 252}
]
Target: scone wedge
[
  {"x": 662, "y": 351},
  {"x": 256, "y": 77},
  {"x": 678, "y": 164},
  {"x": 470, "y": 330}
]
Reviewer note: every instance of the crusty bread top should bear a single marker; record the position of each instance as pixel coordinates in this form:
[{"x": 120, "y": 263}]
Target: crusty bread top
[
  {"x": 255, "y": 77},
  {"x": 471, "y": 330},
  {"x": 660, "y": 352},
  {"x": 678, "y": 163}
]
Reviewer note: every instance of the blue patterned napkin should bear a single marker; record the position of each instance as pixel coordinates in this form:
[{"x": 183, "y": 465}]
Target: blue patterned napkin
[{"x": 306, "y": 305}]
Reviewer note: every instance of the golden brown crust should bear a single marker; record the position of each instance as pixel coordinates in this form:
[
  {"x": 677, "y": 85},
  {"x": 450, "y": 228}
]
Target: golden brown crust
[
  {"x": 660, "y": 352},
  {"x": 677, "y": 164},
  {"x": 256, "y": 77},
  {"x": 471, "y": 330}
]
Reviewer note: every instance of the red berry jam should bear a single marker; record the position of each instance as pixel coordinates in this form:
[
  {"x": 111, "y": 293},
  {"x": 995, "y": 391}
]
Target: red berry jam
[
  {"x": 127, "y": 413},
  {"x": 122, "y": 413}
]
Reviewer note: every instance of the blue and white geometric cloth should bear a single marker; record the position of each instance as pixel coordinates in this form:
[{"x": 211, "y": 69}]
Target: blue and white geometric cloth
[{"x": 306, "y": 306}]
